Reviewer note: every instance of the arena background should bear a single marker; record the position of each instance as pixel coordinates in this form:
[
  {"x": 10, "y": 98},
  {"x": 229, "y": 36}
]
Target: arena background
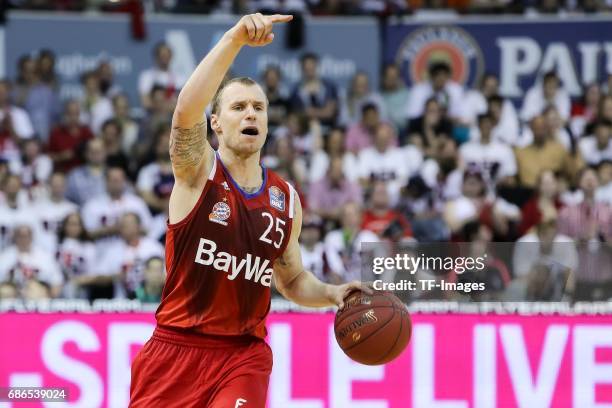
[{"x": 539, "y": 352}]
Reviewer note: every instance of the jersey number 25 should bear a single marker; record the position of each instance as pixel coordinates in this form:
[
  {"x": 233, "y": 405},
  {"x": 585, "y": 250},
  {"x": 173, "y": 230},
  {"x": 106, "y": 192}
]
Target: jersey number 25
[{"x": 277, "y": 223}]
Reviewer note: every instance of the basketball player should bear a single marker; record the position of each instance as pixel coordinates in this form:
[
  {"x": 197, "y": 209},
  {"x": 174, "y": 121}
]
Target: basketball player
[{"x": 231, "y": 224}]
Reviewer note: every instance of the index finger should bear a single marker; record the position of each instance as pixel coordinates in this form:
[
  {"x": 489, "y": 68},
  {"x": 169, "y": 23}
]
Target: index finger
[{"x": 280, "y": 18}]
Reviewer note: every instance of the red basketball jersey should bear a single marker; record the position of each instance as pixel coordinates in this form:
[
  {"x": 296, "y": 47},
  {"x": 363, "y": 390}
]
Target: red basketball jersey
[{"x": 219, "y": 258}]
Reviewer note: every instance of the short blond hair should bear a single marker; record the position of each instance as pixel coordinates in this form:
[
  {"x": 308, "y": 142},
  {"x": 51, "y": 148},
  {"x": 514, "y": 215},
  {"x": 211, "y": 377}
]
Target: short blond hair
[{"x": 216, "y": 101}]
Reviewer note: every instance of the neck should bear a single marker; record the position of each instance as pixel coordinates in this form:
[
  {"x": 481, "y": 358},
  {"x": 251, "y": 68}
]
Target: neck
[{"x": 244, "y": 169}]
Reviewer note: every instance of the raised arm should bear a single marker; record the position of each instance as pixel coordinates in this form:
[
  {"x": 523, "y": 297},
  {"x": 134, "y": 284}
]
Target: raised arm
[
  {"x": 301, "y": 286},
  {"x": 189, "y": 150}
]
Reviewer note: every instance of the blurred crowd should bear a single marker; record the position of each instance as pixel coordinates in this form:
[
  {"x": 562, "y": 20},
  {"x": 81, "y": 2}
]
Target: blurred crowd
[
  {"x": 84, "y": 183},
  {"x": 381, "y": 8}
]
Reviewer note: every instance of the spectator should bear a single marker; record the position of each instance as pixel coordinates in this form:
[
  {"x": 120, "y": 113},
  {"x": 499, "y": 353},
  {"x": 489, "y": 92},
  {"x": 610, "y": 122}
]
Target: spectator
[
  {"x": 359, "y": 94},
  {"x": 545, "y": 201},
  {"x": 334, "y": 146},
  {"x": 343, "y": 246},
  {"x": 544, "y": 153},
  {"x": 494, "y": 275},
  {"x": 604, "y": 192},
  {"x": 284, "y": 159},
  {"x": 312, "y": 249},
  {"x": 155, "y": 180},
  {"x": 125, "y": 258},
  {"x": 495, "y": 159},
  {"x": 158, "y": 115},
  {"x": 590, "y": 224},
  {"x": 160, "y": 74},
  {"x": 76, "y": 255},
  {"x": 14, "y": 210},
  {"x": 24, "y": 261},
  {"x": 317, "y": 97},
  {"x": 604, "y": 113},
  {"x": 556, "y": 128},
  {"x": 129, "y": 127},
  {"x": 112, "y": 135},
  {"x": 87, "y": 181},
  {"x": 543, "y": 262},
  {"x": 299, "y": 132},
  {"x": 361, "y": 134},
  {"x": 585, "y": 110},
  {"x": 505, "y": 119},
  {"x": 478, "y": 102},
  {"x": 547, "y": 92},
  {"x": 474, "y": 204},
  {"x": 46, "y": 68},
  {"x": 278, "y": 97},
  {"x": 67, "y": 140},
  {"x": 96, "y": 107},
  {"x": 423, "y": 207},
  {"x": 441, "y": 172},
  {"x": 35, "y": 167},
  {"x": 101, "y": 214},
  {"x": 39, "y": 99},
  {"x": 51, "y": 211},
  {"x": 440, "y": 87},
  {"x": 382, "y": 219},
  {"x": 598, "y": 147},
  {"x": 395, "y": 96},
  {"x": 387, "y": 163},
  {"x": 429, "y": 130},
  {"x": 106, "y": 78},
  {"x": 15, "y": 126},
  {"x": 150, "y": 290},
  {"x": 330, "y": 194}
]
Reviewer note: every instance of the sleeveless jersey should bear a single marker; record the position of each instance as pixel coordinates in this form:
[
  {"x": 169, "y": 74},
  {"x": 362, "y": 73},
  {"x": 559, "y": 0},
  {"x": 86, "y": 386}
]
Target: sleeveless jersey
[{"x": 219, "y": 258}]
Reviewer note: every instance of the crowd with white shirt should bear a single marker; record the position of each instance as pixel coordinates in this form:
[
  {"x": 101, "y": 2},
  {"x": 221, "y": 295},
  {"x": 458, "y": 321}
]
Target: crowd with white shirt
[{"x": 84, "y": 183}]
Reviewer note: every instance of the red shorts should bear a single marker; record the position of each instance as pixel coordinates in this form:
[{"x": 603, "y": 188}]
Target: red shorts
[{"x": 176, "y": 369}]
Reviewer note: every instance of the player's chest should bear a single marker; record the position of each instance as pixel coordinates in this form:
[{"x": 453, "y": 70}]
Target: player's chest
[{"x": 259, "y": 223}]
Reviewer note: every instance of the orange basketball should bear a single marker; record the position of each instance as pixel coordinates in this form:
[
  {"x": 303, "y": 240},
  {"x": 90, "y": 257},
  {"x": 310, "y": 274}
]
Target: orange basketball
[{"x": 373, "y": 329}]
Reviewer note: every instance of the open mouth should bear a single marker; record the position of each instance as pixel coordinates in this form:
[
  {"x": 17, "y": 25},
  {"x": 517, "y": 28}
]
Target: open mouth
[{"x": 250, "y": 131}]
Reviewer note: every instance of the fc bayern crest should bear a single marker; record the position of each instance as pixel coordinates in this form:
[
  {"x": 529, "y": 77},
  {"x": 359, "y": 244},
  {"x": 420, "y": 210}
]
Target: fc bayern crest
[
  {"x": 277, "y": 198},
  {"x": 220, "y": 212},
  {"x": 451, "y": 45}
]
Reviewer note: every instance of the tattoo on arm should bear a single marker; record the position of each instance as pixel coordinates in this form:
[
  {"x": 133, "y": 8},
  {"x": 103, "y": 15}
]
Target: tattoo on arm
[{"x": 187, "y": 146}]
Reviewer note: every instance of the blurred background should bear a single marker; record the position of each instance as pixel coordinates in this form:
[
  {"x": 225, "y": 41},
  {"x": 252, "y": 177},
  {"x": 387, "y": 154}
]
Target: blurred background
[{"x": 481, "y": 122}]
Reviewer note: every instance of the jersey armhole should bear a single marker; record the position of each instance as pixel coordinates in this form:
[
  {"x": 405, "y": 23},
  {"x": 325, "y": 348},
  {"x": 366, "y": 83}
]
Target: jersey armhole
[
  {"x": 291, "y": 216},
  {"x": 292, "y": 194},
  {"x": 190, "y": 215}
]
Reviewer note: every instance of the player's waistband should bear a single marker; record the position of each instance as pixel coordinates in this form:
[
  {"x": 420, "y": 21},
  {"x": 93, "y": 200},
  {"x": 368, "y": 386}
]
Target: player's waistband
[{"x": 185, "y": 337}]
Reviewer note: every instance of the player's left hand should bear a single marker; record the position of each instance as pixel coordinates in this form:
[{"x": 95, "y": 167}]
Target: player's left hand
[{"x": 340, "y": 292}]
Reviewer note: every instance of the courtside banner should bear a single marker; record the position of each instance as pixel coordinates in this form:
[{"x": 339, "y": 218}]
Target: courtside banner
[
  {"x": 453, "y": 361},
  {"x": 516, "y": 49}
]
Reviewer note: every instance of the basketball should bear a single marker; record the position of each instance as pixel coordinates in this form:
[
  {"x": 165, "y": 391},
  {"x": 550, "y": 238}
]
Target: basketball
[{"x": 373, "y": 329}]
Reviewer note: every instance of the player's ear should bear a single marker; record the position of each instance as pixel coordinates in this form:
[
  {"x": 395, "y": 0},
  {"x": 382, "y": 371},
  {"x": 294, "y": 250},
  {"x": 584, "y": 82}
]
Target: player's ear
[{"x": 214, "y": 124}]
